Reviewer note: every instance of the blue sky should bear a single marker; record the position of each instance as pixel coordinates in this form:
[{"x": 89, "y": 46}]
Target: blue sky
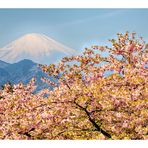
[{"x": 76, "y": 28}]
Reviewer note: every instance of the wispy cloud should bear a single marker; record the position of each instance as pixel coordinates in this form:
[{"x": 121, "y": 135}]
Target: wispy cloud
[{"x": 92, "y": 18}]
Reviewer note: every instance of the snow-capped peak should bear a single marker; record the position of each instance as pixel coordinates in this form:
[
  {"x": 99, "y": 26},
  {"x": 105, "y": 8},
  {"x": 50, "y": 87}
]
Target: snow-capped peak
[{"x": 33, "y": 46}]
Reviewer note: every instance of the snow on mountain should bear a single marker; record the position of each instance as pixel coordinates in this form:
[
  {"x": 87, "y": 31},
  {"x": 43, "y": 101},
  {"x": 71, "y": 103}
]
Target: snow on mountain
[{"x": 36, "y": 47}]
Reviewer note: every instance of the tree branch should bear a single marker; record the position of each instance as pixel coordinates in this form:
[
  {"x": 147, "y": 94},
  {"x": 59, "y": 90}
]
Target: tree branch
[{"x": 93, "y": 122}]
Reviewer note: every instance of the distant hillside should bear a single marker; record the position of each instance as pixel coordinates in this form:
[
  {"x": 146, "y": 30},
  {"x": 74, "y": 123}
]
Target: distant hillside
[
  {"x": 22, "y": 71},
  {"x": 3, "y": 64}
]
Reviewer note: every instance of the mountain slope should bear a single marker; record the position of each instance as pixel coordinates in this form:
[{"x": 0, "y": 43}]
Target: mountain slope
[
  {"x": 22, "y": 71},
  {"x": 36, "y": 47},
  {"x": 4, "y": 76},
  {"x": 3, "y": 64}
]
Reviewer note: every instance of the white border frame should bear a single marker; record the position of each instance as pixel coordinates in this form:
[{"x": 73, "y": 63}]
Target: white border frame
[{"x": 73, "y": 3}]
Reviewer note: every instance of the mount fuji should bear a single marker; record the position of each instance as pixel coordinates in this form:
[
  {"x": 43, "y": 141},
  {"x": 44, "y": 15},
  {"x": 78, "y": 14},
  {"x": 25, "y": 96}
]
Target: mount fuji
[
  {"x": 19, "y": 60},
  {"x": 36, "y": 47}
]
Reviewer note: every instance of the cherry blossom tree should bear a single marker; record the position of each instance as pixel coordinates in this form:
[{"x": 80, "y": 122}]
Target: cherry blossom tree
[
  {"x": 99, "y": 94},
  {"x": 108, "y": 107}
]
